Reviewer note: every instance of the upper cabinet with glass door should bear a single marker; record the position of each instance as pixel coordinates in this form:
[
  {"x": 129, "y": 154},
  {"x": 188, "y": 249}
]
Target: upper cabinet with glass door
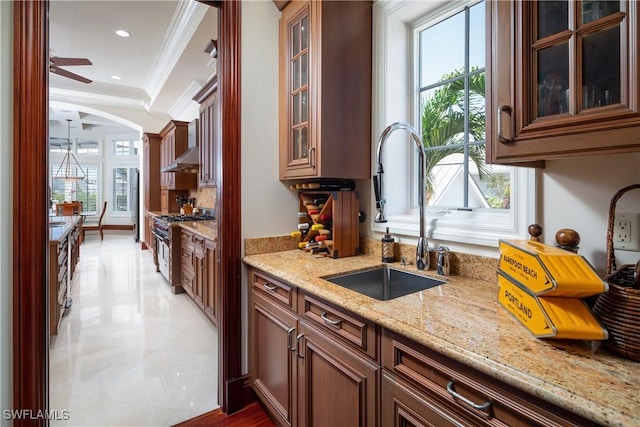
[
  {"x": 563, "y": 79},
  {"x": 325, "y": 89}
]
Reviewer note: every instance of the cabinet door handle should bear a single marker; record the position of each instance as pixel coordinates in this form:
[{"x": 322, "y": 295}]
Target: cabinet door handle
[
  {"x": 452, "y": 391},
  {"x": 336, "y": 323},
  {"x": 290, "y": 342},
  {"x": 299, "y": 346},
  {"x": 270, "y": 288},
  {"x": 507, "y": 109},
  {"x": 311, "y": 153}
]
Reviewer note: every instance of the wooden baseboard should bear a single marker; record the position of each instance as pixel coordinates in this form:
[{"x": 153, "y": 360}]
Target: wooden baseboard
[
  {"x": 123, "y": 227},
  {"x": 239, "y": 394}
]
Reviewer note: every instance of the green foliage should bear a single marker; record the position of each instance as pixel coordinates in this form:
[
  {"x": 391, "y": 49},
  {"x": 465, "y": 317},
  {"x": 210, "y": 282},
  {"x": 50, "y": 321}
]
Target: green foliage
[
  {"x": 498, "y": 190},
  {"x": 443, "y": 122}
]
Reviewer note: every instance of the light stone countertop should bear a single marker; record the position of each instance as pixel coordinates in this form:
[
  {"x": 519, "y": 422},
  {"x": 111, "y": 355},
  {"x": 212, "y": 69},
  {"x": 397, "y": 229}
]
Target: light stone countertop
[
  {"x": 205, "y": 228},
  {"x": 463, "y": 320}
]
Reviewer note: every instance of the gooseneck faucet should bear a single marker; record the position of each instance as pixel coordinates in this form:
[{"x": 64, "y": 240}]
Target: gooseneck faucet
[{"x": 422, "y": 250}]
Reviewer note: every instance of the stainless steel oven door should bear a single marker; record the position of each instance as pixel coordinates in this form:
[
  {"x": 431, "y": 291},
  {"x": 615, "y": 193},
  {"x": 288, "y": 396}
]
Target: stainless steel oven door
[{"x": 162, "y": 248}]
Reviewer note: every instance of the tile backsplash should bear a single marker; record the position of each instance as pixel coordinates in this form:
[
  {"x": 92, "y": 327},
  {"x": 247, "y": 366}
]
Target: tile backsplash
[{"x": 205, "y": 197}]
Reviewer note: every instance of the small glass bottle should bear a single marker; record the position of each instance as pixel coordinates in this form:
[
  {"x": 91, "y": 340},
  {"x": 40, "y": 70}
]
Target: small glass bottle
[{"x": 387, "y": 248}]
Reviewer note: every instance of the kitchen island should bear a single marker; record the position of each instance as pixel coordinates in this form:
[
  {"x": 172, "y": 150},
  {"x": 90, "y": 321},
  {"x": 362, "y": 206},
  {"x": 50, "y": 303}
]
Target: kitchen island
[
  {"x": 463, "y": 321},
  {"x": 64, "y": 252}
]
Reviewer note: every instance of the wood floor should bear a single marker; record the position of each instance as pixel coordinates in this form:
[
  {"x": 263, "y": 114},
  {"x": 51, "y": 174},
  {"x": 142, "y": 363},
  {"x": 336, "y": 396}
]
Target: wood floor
[{"x": 253, "y": 415}]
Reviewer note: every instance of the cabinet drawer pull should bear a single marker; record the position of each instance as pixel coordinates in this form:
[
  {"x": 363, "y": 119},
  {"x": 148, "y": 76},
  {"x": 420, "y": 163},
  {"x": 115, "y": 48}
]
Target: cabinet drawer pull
[
  {"x": 270, "y": 288},
  {"x": 501, "y": 137},
  {"x": 452, "y": 391},
  {"x": 298, "y": 338},
  {"x": 336, "y": 323},
  {"x": 290, "y": 332}
]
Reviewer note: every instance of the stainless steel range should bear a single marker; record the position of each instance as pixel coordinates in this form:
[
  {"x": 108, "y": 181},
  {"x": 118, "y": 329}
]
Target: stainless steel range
[{"x": 167, "y": 248}]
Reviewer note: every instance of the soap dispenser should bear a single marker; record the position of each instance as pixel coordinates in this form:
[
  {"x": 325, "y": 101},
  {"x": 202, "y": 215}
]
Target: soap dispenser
[{"x": 387, "y": 248}]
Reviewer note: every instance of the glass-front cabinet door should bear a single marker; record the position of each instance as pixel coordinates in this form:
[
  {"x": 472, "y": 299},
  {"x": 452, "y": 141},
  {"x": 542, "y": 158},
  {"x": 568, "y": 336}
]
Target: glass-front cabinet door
[
  {"x": 564, "y": 79},
  {"x": 297, "y": 129}
]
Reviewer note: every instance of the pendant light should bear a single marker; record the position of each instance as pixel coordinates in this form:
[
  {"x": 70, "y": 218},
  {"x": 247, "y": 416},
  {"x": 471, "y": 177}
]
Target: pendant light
[{"x": 65, "y": 171}]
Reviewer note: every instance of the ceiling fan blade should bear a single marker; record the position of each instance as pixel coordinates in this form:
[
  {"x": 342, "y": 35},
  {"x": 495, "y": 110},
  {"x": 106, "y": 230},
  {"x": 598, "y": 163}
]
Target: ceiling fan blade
[
  {"x": 69, "y": 61},
  {"x": 69, "y": 74}
]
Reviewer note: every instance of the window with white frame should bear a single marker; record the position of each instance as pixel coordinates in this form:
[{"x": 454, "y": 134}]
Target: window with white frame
[
  {"x": 126, "y": 147},
  {"x": 87, "y": 147},
  {"x": 85, "y": 190},
  {"x": 440, "y": 91},
  {"x": 121, "y": 189}
]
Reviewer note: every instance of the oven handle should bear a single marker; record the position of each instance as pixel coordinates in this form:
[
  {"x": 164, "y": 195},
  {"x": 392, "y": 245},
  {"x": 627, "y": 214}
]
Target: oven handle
[{"x": 164, "y": 239}]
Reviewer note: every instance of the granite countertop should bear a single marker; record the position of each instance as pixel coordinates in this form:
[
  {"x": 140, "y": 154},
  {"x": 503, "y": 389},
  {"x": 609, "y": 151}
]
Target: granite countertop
[
  {"x": 206, "y": 228},
  {"x": 463, "y": 320},
  {"x": 59, "y": 226}
]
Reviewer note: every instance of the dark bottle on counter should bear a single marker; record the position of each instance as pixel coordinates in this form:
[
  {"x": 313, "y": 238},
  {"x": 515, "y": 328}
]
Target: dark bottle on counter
[{"x": 387, "y": 248}]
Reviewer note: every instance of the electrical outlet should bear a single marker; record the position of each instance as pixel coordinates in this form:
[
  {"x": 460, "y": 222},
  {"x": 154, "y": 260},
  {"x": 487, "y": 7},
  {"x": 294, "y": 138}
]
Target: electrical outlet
[{"x": 626, "y": 231}]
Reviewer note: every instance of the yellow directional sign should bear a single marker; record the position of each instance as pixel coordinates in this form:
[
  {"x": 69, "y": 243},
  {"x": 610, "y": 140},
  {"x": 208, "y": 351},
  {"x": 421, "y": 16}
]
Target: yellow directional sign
[
  {"x": 549, "y": 271},
  {"x": 549, "y": 317}
]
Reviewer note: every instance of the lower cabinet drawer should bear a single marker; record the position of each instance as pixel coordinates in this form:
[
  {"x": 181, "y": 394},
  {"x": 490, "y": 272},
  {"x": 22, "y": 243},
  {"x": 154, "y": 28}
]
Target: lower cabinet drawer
[
  {"x": 403, "y": 406},
  {"x": 273, "y": 289},
  {"x": 469, "y": 392},
  {"x": 356, "y": 332}
]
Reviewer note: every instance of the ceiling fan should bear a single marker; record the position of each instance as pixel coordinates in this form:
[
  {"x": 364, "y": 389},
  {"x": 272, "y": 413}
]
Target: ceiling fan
[{"x": 56, "y": 62}]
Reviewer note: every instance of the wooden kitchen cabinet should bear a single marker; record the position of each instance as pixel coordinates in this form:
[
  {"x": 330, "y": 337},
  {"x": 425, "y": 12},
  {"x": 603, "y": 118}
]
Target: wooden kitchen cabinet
[
  {"x": 151, "y": 180},
  {"x": 199, "y": 265},
  {"x": 563, "y": 79},
  {"x": 428, "y": 388},
  {"x": 64, "y": 252},
  {"x": 336, "y": 385},
  {"x": 325, "y": 89},
  {"x": 187, "y": 268},
  {"x": 209, "y": 118},
  {"x": 272, "y": 344},
  {"x": 211, "y": 293},
  {"x": 175, "y": 141},
  {"x": 150, "y": 238},
  {"x": 313, "y": 366},
  {"x": 312, "y": 363},
  {"x": 199, "y": 272}
]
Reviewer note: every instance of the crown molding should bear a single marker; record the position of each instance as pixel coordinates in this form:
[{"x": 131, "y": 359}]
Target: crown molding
[
  {"x": 95, "y": 99},
  {"x": 183, "y": 25},
  {"x": 185, "y": 106}
]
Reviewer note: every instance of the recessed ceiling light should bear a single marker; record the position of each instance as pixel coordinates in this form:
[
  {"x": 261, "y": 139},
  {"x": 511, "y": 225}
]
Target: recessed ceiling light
[
  {"x": 123, "y": 33},
  {"x": 116, "y": 77}
]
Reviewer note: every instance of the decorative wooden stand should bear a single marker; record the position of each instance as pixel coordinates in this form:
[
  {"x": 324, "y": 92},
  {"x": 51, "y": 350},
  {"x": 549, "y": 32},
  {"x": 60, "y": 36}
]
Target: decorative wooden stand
[{"x": 337, "y": 215}]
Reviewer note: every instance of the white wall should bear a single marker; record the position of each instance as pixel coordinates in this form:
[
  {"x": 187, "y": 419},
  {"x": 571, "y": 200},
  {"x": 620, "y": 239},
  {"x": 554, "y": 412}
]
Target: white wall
[
  {"x": 576, "y": 193},
  {"x": 6, "y": 192},
  {"x": 268, "y": 206}
]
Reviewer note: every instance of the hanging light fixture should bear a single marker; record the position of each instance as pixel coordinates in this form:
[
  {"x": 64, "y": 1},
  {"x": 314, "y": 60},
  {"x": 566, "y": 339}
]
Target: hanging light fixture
[{"x": 65, "y": 171}]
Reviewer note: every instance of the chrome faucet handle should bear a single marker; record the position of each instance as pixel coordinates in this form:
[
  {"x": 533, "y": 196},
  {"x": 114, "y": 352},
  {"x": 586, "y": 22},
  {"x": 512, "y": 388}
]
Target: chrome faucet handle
[
  {"x": 443, "y": 267},
  {"x": 422, "y": 254},
  {"x": 380, "y": 217}
]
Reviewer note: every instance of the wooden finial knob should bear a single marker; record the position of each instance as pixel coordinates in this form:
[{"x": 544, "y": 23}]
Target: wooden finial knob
[
  {"x": 535, "y": 231},
  {"x": 569, "y": 239}
]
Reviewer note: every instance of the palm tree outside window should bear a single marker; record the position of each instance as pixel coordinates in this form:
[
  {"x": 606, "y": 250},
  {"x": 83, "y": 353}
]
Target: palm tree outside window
[{"x": 451, "y": 102}]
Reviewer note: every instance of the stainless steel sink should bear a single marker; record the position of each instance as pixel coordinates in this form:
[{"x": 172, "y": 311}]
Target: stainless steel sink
[{"x": 384, "y": 283}]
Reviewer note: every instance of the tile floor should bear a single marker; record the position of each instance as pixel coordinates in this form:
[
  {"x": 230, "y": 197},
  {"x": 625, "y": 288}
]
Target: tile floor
[{"x": 129, "y": 352}]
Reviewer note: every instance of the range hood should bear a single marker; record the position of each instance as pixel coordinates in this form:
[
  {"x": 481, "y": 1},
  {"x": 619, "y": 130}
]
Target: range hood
[{"x": 189, "y": 161}]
